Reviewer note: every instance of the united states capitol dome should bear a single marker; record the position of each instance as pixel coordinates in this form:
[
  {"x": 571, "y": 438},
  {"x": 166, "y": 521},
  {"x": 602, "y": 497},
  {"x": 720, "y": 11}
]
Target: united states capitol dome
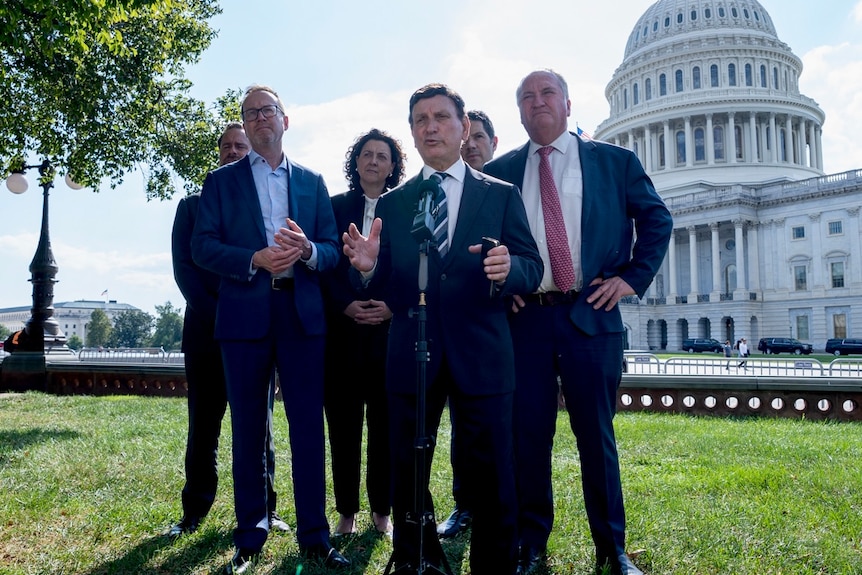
[{"x": 708, "y": 93}]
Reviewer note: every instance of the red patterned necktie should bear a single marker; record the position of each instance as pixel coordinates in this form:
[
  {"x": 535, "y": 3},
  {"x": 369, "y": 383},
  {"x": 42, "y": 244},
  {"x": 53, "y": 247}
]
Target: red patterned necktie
[{"x": 562, "y": 270}]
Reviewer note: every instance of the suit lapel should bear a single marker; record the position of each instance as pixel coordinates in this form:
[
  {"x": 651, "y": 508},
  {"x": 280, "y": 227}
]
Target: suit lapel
[
  {"x": 589, "y": 175},
  {"x": 472, "y": 198},
  {"x": 245, "y": 184}
]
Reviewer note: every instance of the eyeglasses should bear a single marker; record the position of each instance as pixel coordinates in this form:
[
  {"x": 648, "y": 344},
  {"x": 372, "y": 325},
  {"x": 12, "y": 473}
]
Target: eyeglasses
[{"x": 250, "y": 114}]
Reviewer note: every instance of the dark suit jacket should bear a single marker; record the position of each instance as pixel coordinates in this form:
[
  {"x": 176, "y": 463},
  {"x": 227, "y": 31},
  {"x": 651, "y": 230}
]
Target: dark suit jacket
[
  {"x": 340, "y": 289},
  {"x": 198, "y": 286},
  {"x": 619, "y": 198},
  {"x": 465, "y": 323},
  {"x": 230, "y": 228}
]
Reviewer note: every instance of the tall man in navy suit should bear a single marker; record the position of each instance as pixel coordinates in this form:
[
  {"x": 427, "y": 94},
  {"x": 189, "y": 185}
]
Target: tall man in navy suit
[
  {"x": 583, "y": 200},
  {"x": 265, "y": 226},
  {"x": 207, "y": 399},
  {"x": 471, "y": 357}
]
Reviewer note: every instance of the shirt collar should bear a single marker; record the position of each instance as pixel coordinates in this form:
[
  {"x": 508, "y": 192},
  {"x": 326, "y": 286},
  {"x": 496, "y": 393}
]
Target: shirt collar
[
  {"x": 456, "y": 171},
  {"x": 561, "y": 144},
  {"x": 255, "y": 158}
]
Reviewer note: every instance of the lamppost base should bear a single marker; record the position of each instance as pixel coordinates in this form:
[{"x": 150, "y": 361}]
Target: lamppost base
[{"x": 24, "y": 371}]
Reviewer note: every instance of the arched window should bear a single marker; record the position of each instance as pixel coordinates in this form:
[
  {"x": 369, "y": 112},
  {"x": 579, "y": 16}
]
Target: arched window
[
  {"x": 679, "y": 18},
  {"x": 734, "y": 12},
  {"x": 737, "y": 133},
  {"x": 713, "y": 76},
  {"x": 625, "y": 98},
  {"x": 680, "y": 147},
  {"x": 775, "y": 77},
  {"x": 748, "y": 79},
  {"x": 731, "y": 74},
  {"x": 693, "y": 15},
  {"x": 707, "y": 13},
  {"x": 718, "y": 142},
  {"x": 695, "y": 77},
  {"x": 667, "y": 21},
  {"x": 721, "y": 11},
  {"x": 762, "y": 76},
  {"x": 730, "y": 278},
  {"x": 678, "y": 80},
  {"x": 648, "y": 88},
  {"x": 662, "y": 85},
  {"x": 636, "y": 95},
  {"x": 699, "y": 148},
  {"x": 661, "y": 158}
]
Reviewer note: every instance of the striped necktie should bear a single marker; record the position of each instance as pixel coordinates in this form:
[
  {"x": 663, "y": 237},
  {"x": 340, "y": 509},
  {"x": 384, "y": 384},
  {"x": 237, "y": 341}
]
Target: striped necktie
[{"x": 440, "y": 213}]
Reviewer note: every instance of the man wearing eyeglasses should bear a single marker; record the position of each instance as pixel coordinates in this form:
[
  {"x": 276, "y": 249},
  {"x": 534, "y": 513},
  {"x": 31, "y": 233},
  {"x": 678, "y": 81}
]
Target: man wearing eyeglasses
[{"x": 265, "y": 225}]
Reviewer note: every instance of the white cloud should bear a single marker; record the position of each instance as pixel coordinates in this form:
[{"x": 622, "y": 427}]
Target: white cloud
[{"x": 832, "y": 75}]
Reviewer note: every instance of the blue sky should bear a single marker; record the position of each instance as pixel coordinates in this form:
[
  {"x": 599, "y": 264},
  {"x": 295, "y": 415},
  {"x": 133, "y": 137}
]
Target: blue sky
[{"x": 343, "y": 67}]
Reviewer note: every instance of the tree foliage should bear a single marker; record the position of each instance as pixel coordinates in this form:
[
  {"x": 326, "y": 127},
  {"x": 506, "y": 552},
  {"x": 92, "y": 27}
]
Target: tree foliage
[
  {"x": 169, "y": 327},
  {"x": 75, "y": 342},
  {"x": 4, "y": 332},
  {"x": 98, "y": 88},
  {"x": 132, "y": 328},
  {"x": 99, "y": 329}
]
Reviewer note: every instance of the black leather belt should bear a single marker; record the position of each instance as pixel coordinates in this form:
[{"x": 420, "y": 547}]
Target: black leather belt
[
  {"x": 553, "y": 297},
  {"x": 282, "y": 283}
]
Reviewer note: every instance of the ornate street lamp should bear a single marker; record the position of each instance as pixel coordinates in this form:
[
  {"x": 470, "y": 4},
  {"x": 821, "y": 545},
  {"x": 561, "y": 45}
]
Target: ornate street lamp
[{"x": 42, "y": 327}]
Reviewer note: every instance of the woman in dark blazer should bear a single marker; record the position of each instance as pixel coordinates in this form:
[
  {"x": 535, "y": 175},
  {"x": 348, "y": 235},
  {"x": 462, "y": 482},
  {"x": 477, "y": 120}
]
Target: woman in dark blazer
[{"x": 358, "y": 326}]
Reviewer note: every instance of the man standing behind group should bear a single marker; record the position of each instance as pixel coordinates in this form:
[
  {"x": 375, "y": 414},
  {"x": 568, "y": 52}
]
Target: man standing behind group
[
  {"x": 583, "y": 199},
  {"x": 476, "y": 150},
  {"x": 265, "y": 225},
  {"x": 207, "y": 397},
  {"x": 471, "y": 358}
]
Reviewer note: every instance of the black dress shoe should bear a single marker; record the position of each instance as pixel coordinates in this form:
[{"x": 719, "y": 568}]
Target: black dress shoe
[
  {"x": 530, "y": 559},
  {"x": 276, "y": 523},
  {"x": 457, "y": 522},
  {"x": 185, "y": 526},
  {"x": 241, "y": 562},
  {"x": 622, "y": 565},
  {"x": 327, "y": 553}
]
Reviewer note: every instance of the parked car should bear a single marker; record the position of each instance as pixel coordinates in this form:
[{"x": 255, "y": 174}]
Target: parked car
[
  {"x": 701, "y": 344},
  {"x": 783, "y": 345},
  {"x": 843, "y": 346}
]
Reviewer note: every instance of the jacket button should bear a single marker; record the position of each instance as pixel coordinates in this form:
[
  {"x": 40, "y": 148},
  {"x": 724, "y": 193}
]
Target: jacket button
[{"x": 442, "y": 277}]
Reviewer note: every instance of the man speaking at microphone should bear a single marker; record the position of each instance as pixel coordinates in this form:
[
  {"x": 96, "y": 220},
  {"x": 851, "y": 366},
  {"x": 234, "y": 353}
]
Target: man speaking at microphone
[{"x": 471, "y": 358}]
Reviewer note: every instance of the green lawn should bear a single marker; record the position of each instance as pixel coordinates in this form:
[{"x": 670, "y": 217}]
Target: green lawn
[{"x": 88, "y": 484}]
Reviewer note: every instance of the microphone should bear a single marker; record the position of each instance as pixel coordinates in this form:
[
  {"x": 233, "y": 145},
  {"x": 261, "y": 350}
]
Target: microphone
[{"x": 423, "y": 221}]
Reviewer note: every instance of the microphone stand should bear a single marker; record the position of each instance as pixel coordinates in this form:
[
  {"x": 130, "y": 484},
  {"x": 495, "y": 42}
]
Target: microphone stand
[{"x": 420, "y": 518}]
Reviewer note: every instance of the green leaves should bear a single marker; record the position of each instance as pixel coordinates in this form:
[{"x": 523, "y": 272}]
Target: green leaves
[{"x": 97, "y": 87}]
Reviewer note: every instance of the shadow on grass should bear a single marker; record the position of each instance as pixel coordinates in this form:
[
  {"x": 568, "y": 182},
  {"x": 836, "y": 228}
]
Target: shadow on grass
[
  {"x": 12, "y": 440},
  {"x": 185, "y": 560}
]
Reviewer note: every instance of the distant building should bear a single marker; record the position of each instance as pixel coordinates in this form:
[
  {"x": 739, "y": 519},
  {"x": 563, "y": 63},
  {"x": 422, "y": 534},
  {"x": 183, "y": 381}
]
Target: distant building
[
  {"x": 73, "y": 316},
  {"x": 765, "y": 244}
]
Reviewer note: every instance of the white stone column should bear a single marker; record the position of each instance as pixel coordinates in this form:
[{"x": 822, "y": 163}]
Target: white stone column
[
  {"x": 816, "y": 252},
  {"x": 716, "y": 262},
  {"x": 773, "y": 139},
  {"x": 752, "y": 137},
  {"x": 648, "y": 150},
  {"x": 800, "y": 142},
  {"x": 731, "y": 139},
  {"x": 669, "y": 157},
  {"x": 753, "y": 257},
  {"x": 854, "y": 274},
  {"x": 741, "y": 284},
  {"x": 710, "y": 141},
  {"x": 692, "y": 261},
  {"x": 788, "y": 139},
  {"x": 812, "y": 146},
  {"x": 616, "y": 140},
  {"x": 672, "y": 272},
  {"x": 781, "y": 268},
  {"x": 688, "y": 142}
]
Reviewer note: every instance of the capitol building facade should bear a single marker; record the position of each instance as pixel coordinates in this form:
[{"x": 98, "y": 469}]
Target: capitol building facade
[{"x": 765, "y": 243}]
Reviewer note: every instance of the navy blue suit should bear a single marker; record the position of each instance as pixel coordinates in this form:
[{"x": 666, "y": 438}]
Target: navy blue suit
[
  {"x": 261, "y": 328},
  {"x": 207, "y": 395},
  {"x": 471, "y": 358},
  {"x": 355, "y": 385},
  {"x": 582, "y": 345}
]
